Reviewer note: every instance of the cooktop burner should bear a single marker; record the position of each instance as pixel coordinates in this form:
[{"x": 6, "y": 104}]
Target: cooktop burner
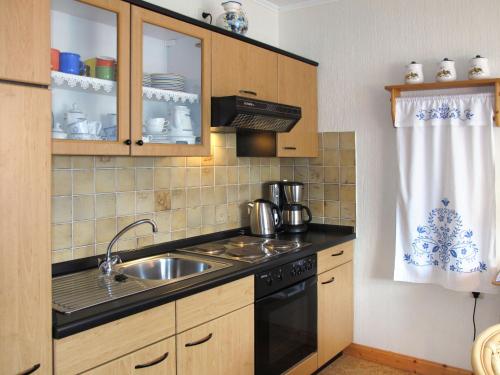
[
  {"x": 245, "y": 241},
  {"x": 280, "y": 246},
  {"x": 247, "y": 252},
  {"x": 246, "y": 248},
  {"x": 210, "y": 248}
]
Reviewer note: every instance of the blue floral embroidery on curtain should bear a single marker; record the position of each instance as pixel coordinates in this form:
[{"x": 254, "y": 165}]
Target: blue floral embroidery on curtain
[
  {"x": 443, "y": 243},
  {"x": 444, "y": 112}
]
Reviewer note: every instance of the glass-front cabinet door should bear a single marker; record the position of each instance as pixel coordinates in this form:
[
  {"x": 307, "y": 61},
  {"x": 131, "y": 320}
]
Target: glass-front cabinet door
[
  {"x": 170, "y": 108},
  {"x": 90, "y": 72}
]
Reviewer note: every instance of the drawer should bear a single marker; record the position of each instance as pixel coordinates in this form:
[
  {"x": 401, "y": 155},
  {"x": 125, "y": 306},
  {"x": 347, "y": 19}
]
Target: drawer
[
  {"x": 156, "y": 359},
  {"x": 213, "y": 303},
  {"x": 88, "y": 349},
  {"x": 335, "y": 256}
]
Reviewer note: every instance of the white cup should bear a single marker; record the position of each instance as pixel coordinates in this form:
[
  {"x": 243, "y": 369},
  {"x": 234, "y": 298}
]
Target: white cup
[{"x": 156, "y": 125}]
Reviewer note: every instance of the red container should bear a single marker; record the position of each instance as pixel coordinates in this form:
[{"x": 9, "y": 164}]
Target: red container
[
  {"x": 54, "y": 59},
  {"x": 105, "y": 61}
]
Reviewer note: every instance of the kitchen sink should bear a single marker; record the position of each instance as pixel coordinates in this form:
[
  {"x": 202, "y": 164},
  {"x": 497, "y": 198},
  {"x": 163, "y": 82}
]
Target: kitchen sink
[
  {"x": 80, "y": 290},
  {"x": 167, "y": 267}
]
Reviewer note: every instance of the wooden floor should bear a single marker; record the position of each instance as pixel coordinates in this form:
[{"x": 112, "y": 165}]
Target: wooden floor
[{"x": 347, "y": 365}]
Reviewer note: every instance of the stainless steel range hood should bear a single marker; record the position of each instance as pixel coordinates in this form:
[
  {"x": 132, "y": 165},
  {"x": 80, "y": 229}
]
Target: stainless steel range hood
[{"x": 230, "y": 113}]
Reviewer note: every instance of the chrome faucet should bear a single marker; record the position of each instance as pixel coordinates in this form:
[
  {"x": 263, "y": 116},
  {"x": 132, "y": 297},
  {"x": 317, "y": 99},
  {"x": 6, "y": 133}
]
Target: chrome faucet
[{"x": 106, "y": 266}]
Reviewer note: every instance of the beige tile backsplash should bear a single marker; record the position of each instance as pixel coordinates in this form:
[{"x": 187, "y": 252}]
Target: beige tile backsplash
[
  {"x": 94, "y": 197},
  {"x": 330, "y": 179}
]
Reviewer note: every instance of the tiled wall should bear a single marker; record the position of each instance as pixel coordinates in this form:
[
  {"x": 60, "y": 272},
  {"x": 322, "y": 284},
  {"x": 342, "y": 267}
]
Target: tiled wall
[
  {"x": 330, "y": 179},
  {"x": 94, "y": 197}
]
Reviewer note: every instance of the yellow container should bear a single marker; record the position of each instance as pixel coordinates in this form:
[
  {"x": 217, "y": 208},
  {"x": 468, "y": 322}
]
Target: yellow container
[{"x": 91, "y": 63}]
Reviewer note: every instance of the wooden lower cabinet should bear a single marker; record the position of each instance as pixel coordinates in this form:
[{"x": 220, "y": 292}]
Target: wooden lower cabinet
[
  {"x": 221, "y": 346},
  {"x": 25, "y": 293},
  {"x": 156, "y": 359},
  {"x": 335, "y": 311}
]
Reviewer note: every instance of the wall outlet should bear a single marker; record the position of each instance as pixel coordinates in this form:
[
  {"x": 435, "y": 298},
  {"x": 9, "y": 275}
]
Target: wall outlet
[{"x": 476, "y": 295}]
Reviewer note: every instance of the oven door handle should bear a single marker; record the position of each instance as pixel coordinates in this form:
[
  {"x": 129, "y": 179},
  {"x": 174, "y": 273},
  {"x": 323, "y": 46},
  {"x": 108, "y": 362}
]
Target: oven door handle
[{"x": 294, "y": 290}]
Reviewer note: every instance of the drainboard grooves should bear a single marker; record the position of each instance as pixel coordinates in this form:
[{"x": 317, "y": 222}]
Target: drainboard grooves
[{"x": 89, "y": 288}]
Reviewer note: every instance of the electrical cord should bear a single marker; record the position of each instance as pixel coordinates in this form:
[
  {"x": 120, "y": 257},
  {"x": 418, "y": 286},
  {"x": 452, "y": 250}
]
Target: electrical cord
[
  {"x": 205, "y": 15},
  {"x": 476, "y": 296}
]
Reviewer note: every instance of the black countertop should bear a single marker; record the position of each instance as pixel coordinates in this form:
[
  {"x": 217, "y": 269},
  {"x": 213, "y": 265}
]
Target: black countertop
[{"x": 319, "y": 235}]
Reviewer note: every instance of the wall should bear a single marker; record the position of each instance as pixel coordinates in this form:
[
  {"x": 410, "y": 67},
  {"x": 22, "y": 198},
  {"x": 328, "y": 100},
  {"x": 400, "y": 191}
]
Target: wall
[
  {"x": 263, "y": 20},
  {"x": 94, "y": 197},
  {"x": 363, "y": 45}
]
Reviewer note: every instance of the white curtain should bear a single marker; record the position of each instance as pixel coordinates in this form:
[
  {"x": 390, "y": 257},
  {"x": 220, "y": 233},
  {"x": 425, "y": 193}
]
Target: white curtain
[{"x": 445, "y": 220}]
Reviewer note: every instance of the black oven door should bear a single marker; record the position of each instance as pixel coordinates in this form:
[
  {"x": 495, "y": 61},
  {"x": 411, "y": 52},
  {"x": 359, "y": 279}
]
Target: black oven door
[{"x": 285, "y": 327}]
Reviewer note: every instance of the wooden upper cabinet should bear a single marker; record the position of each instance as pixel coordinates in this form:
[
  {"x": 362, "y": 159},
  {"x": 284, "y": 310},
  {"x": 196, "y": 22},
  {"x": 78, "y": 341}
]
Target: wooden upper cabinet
[
  {"x": 91, "y": 88},
  {"x": 297, "y": 85},
  {"x": 335, "y": 312},
  {"x": 25, "y": 41},
  {"x": 173, "y": 116},
  {"x": 243, "y": 69},
  {"x": 25, "y": 285}
]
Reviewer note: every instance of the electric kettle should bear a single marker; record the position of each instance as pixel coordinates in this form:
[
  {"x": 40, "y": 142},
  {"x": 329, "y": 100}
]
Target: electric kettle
[{"x": 263, "y": 221}]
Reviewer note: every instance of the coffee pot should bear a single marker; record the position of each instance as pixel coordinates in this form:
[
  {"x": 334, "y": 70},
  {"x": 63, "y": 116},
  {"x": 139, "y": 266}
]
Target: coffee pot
[{"x": 265, "y": 217}]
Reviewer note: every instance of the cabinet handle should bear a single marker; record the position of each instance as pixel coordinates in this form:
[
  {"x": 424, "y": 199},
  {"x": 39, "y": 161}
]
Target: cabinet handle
[
  {"x": 329, "y": 281},
  {"x": 140, "y": 142},
  {"x": 205, "y": 339},
  {"x": 289, "y": 148},
  {"x": 153, "y": 362},
  {"x": 248, "y": 92},
  {"x": 128, "y": 142},
  {"x": 31, "y": 370},
  {"x": 338, "y": 254}
]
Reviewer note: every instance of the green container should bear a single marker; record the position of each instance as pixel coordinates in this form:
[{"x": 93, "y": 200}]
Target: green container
[{"x": 105, "y": 72}]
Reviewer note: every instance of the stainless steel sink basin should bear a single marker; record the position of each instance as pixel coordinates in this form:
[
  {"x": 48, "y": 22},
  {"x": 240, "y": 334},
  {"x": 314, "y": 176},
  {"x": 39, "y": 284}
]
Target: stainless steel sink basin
[
  {"x": 163, "y": 268},
  {"x": 80, "y": 290}
]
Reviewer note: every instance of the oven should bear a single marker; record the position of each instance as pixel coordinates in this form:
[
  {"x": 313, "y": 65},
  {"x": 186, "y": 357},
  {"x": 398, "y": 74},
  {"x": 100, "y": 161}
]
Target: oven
[{"x": 285, "y": 316}]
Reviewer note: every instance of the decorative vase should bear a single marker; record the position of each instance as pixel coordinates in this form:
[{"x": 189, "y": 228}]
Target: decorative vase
[
  {"x": 479, "y": 68},
  {"x": 414, "y": 73},
  {"x": 233, "y": 18},
  {"x": 446, "y": 71}
]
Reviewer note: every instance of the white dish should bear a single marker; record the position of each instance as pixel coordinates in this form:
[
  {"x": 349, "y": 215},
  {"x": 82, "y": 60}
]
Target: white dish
[
  {"x": 59, "y": 135},
  {"x": 84, "y": 137}
]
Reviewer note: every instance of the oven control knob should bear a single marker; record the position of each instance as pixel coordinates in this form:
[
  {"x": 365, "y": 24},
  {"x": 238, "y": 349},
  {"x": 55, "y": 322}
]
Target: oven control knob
[
  {"x": 269, "y": 279},
  {"x": 280, "y": 275}
]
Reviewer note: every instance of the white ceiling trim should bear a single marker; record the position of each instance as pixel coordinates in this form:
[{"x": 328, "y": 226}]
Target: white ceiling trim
[
  {"x": 304, "y": 4},
  {"x": 267, "y": 4}
]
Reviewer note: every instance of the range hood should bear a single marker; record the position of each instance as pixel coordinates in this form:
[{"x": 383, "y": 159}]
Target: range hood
[{"x": 231, "y": 113}]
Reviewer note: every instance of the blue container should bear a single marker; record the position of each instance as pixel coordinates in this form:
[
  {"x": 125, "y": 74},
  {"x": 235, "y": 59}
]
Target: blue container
[{"x": 70, "y": 63}]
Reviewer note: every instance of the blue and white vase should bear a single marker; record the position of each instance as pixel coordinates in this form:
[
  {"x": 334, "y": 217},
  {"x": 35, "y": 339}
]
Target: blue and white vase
[{"x": 233, "y": 19}]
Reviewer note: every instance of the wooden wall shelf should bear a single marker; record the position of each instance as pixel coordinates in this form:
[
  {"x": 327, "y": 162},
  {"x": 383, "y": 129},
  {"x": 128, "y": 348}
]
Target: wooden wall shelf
[{"x": 396, "y": 90}]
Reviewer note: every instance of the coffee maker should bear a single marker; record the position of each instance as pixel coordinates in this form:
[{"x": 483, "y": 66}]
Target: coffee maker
[
  {"x": 293, "y": 209},
  {"x": 288, "y": 195}
]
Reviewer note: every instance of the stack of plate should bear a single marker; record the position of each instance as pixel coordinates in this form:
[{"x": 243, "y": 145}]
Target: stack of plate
[
  {"x": 146, "y": 79},
  {"x": 168, "y": 81}
]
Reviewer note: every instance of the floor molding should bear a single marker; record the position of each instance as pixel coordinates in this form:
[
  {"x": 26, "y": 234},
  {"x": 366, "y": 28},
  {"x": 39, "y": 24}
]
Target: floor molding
[{"x": 402, "y": 362}]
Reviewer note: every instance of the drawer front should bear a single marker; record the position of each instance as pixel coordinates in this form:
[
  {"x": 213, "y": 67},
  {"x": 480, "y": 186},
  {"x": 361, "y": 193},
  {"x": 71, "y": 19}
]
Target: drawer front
[
  {"x": 335, "y": 256},
  {"x": 156, "y": 359},
  {"x": 223, "y": 346},
  {"x": 213, "y": 303},
  {"x": 88, "y": 349}
]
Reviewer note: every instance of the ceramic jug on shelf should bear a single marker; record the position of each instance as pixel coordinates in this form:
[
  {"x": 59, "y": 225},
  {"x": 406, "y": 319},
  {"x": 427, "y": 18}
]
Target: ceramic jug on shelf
[
  {"x": 74, "y": 115},
  {"x": 182, "y": 121},
  {"x": 479, "y": 68},
  {"x": 446, "y": 71},
  {"x": 414, "y": 73}
]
